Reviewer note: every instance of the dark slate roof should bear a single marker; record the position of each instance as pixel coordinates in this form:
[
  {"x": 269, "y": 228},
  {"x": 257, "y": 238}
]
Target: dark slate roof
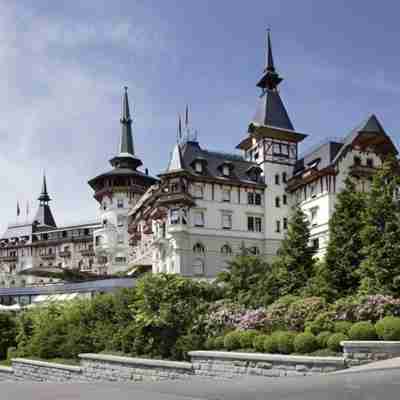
[
  {"x": 44, "y": 216},
  {"x": 272, "y": 112},
  {"x": 322, "y": 156},
  {"x": 214, "y": 161},
  {"x": 126, "y": 145},
  {"x": 105, "y": 285},
  {"x": 370, "y": 125},
  {"x": 124, "y": 172}
]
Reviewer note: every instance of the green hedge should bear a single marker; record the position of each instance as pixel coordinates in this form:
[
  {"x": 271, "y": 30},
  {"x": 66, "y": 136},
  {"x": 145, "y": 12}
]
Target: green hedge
[
  {"x": 333, "y": 342},
  {"x": 362, "y": 331},
  {"x": 388, "y": 328},
  {"x": 305, "y": 343}
]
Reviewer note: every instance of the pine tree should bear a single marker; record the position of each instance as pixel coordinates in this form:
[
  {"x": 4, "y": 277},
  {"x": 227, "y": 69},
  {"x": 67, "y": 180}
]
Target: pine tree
[
  {"x": 344, "y": 253},
  {"x": 295, "y": 263},
  {"x": 380, "y": 269}
]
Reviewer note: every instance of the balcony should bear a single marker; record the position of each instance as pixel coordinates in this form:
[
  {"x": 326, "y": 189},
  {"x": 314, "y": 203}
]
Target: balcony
[
  {"x": 9, "y": 258},
  {"x": 65, "y": 254},
  {"x": 48, "y": 256},
  {"x": 88, "y": 253},
  {"x": 360, "y": 171}
]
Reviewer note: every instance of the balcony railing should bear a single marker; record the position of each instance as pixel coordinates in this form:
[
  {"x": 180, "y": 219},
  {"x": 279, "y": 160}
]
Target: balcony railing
[
  {"x": 9, "y": 258},
  {"x": 48, "y": 256},
  {"x": 88, "y": 252},
  {"x": 65, "y": 253}
]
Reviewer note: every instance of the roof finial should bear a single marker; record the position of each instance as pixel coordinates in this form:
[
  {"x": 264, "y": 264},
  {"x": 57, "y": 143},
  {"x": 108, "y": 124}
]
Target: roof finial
[
  {"x": 187, "y": 116},
  {"x": 126, "y": 145},
  {"x": 179, "y": 127},
  {"x": 270, "y": 60}
]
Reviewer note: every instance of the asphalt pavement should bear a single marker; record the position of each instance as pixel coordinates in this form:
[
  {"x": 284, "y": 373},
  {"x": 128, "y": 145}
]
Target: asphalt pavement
[{"x": 382, "y": 384}]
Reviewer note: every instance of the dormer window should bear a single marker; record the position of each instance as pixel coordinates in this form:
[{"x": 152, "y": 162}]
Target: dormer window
[
  {"x": 254, "y": 173},
  {"x": 225, "y": 170},
  {"x": 198, "y": 166}
]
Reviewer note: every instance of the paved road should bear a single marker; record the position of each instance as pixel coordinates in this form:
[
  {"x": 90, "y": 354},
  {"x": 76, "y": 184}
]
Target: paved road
[{"x": 365, "y": 385}]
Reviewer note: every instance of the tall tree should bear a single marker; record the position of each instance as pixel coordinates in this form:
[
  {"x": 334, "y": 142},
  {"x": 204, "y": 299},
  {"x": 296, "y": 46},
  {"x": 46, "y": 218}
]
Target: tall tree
[
  {"x": 380, "y": 269},
  {"x": 294, "y": 264},
  {"x": 344, "y": 253}
]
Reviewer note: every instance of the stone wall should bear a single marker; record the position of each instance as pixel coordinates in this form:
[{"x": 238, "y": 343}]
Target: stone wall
[
  {"x": 40, "y": 371},
  {"x": 219, "y": 364},
  {"x": 101, "y": 367},
  {"x": 364, "y": 352},
  {"x": 6, "y": 374}
]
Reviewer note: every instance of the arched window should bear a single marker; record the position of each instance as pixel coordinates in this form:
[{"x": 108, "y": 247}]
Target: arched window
[
  {"x": 198, "y": 267},
  {"x": 226, "y": 249},
  {"x": 277, "y": 202},
  {"x": 284, "y": 177},
  {"x": 284, "y": 199},
  {"x": 198, "y": 248}
]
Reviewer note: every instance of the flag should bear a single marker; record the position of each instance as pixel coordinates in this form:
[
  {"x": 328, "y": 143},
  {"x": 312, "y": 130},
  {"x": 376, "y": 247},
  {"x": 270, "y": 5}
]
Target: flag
[{"x": 18, "y": 209}]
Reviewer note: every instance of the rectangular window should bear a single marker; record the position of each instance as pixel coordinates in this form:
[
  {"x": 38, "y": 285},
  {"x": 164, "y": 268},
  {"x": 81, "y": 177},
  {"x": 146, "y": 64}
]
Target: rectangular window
[
  {"x": 250, "y": 197},
  {"x": 285, "y": 223},
  {"x": 198, "y": 191},
  {"x": 120, "y": 220},
  {"x": 370, "y": 162},
  {"x": 278, "y": 226},
  {"x": 315, "y": 244},
  {"x": 258, "y": 199},
  {"x": 199, "y": 218},
  {"x": 254, "y": 224},
  {"x": 226, "y": 221},
  {"x": 284, "y": 199},
  {"x": 226, "y": 195},
  {"x": 120, "y": 238},
  {"x": 313, "y": 216},
  {"x": 120, "y": 203},
  {"x": 174, "y": 216}
]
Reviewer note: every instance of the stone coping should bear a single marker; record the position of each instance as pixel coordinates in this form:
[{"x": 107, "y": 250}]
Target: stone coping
[
  {"x": 6, "y": 370},
  {"x": 382, "y": 344},
  {"x": 147, "y": 362},
  {"x": 46, "y": 364},
  {"x": 339, "y": 361}
]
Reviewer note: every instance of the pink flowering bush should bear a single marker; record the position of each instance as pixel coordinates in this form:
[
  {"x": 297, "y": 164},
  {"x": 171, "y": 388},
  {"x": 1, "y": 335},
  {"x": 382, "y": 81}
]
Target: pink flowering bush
[
  {"x": 228, "y": 316},
  {"x": 304, "y": 310},
  {"x": 367, "y": 308}
]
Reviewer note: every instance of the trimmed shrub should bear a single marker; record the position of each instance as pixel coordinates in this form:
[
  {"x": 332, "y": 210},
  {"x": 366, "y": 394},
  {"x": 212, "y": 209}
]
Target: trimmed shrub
[
  {"x": 323, "y": 322},
  {"x": 342, "y": 327},
  {"x": 232, "y": 340},
  {"x": 388, "y": 328},
  {"x": 302, "y": 311},
  {"x": 258, "y": 343},
  {"x": 322, "y": 339},
  {"x": 209, "y": 343},
  {"x": 334, "y": 342},
  {"x": 219, "y": 342},
  {"x": 246, "y": 339},
  {"x": 362, "y": 331},
  {"x": 271, "y": 343},
  {"x": 305, "y": 343},
  {"x": 285, "y": 342}
]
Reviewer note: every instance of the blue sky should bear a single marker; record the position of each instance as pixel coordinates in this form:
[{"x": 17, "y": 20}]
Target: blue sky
[{"x": 63, "y": 66}]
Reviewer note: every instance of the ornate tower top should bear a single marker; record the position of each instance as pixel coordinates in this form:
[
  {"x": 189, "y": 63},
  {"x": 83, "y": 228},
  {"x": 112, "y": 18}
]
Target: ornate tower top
[
  {"x": 44, "y": 216},
  {"x": 126, "y": 157}
]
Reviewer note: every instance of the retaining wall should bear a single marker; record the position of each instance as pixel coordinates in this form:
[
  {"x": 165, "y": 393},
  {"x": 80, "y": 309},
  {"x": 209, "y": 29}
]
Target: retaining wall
[
  {"x": 99, "y": 367},
  {"x": 219, "y": 364},
  {"x": 364, "y": 352}
]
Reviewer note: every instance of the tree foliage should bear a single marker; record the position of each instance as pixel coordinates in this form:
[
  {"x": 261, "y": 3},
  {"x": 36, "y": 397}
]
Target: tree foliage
[
  {"x": 294, "y": 265},
  {"x": 380, "y": 268},
  {"x": 339, "y": 272}
]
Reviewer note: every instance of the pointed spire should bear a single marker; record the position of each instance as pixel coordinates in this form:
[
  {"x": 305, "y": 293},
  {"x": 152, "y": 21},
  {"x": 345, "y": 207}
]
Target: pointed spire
[
  {"x": 44, "y": 196},
  {"x": 270, "y": 78},
  {"x": 187, "y": 116},
  {"x": 175, "y": 162},
  {"x": 179, "y": 128},
  {"x": 270, "y": 61},
  {"x": 126, "y": 145}
]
